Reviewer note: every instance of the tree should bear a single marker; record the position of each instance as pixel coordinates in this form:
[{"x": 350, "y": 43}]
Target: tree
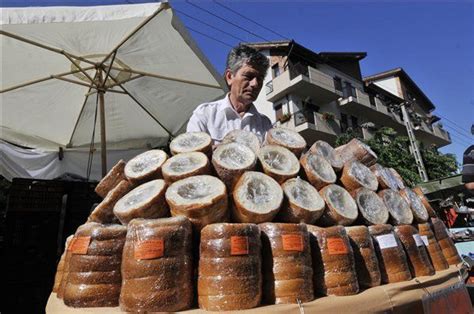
[{"x": 393, "y": 151}]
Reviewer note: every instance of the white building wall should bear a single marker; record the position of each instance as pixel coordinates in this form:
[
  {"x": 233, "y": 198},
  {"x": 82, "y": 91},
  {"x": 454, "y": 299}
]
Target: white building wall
[
  {"x": 263, "y": 106},
  {"x": 390, "y": 84},
  {"x": 334, "y": 72}
]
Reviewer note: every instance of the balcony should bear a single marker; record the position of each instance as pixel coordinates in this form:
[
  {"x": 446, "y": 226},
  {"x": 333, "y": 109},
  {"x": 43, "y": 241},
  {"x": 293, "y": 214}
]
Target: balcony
[
  {"x": 303, "y": 81},
  {"x": 358, "y": 103},
  {"x": 432, "y": 134},
  {"x": 312, "y": 126}
]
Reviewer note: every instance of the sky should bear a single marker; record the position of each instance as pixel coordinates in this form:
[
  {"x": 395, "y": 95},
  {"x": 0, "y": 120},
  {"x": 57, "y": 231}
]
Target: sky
[{"x": 433, "y": 41}]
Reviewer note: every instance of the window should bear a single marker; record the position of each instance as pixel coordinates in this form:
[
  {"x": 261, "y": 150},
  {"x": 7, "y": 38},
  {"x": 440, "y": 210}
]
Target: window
[
  {"x": 278, "y": 111},
  {"x": 308, "y": 111},
  {"x": 354, "y": 122},
  {"x": 349, "y": 90},
  {"x": 372, "y": 100},
  {"x": 343, "y": 122},
  {"x": 338, "y": 83},
  {"x": 275, "y": 70}
]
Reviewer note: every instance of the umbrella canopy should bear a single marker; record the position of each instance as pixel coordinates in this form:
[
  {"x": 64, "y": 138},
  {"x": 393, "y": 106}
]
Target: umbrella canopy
[{"x": 59, "y": 63}]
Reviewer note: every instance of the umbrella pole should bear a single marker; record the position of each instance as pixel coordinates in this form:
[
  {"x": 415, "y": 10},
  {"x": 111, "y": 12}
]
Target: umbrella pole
[{"x": 103, "y": 147}]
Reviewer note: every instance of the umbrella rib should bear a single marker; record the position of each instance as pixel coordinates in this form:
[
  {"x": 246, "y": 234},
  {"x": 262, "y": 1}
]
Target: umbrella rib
[
  {"x": 42, "y": 80},
  {"x": 139, "y": 27},
  {"x": 32, "y": 42},
  {"x": 141, "y": 106},
  {"x": 82, "y": 109},
  {"x": 123, "y": 81},
  {"x": 67, "y": 55},
  {"x": 73, "y": 81},
  {"x": 167, "y": 78}
]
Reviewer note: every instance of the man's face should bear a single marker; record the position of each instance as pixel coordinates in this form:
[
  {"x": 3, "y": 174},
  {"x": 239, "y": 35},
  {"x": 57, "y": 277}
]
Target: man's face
[{"x": 245, "y": 84}]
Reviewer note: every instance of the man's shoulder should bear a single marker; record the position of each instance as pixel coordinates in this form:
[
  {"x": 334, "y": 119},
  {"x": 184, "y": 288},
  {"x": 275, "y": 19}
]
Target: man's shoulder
[{"x": 207, "y": 106}]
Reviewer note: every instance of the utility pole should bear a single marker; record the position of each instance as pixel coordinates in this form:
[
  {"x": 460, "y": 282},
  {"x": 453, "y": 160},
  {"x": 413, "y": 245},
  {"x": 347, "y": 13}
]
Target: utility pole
[{"x": 413, "y": 143}]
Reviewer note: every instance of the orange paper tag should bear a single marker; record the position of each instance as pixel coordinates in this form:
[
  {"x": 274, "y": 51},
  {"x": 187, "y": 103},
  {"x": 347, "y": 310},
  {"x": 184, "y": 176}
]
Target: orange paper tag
[
  {"x": 292, "y": 242},
  {"x": 149, "y": 249},
  {"x": 239, "y": 245},
  {"x": 79, "y": 245},
  {"x": 336, "y": 246}
]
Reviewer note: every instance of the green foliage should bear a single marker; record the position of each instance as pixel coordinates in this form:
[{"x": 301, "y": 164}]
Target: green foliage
[{"x": 393, "y": 151}]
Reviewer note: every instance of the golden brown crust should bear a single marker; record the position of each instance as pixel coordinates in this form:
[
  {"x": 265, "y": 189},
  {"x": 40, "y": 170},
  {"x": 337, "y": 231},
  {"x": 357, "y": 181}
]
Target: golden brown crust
[
  {"x": 104, "y": 212},
  {"x": 445, "y": 242},
  {"x": 170, "y": 178},
  {"x": 113, "y": 177},
  {"x": 314, "y": 178},
  {"x": 333, "y": 216},
  {"x": 434, "y": 250}
]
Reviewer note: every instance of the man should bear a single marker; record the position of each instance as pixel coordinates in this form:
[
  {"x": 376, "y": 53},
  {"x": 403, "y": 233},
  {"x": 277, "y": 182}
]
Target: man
[{"x": 245, "y": 70}]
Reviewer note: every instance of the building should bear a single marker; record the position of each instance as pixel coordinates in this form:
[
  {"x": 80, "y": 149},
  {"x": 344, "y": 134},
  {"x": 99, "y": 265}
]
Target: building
[{"x": 321, "y": 95}]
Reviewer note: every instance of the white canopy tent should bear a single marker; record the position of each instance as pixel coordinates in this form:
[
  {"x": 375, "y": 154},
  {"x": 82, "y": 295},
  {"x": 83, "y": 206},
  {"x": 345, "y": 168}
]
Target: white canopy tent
[{"x": 128, "y": 76}]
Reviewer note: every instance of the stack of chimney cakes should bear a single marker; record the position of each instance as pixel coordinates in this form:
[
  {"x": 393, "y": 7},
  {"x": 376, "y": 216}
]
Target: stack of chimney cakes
[{"x": 244, "y": 181}]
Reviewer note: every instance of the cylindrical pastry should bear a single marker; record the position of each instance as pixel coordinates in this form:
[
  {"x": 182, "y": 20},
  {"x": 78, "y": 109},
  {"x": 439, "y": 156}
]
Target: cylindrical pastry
[
  {"x": 243, "y": 137},
  {"x": 60, "y": 270},
  {"x": 366, "y": 263},
  {"x": 434, "y": 250},
  {"x": 445, "y": 242},
  {"x": 113, "y": 177},
  {"x": 256, "y": 198},
  {"x": 325, "y": 150},
  {"x": 318, "y": 170},
  {"x": 94, "y": 278},
  {"x": 104, "y": 212},
  {"x": 371, "y": 207},
  {"x": 157, "y": 266},
  {"x": 418, "y": 260},
  {"x": 356, "y": 150},
  {"x": 425, "y": 201},
  {"x": 355, "y": 175},
  {"x": 392, "y": 259},
  {"x": 419, "y": 211},
  {"x": 333, "y": 261},
  {"x": 203, "y": 199},
  {"x": 185, "y": 165},
  {"x": 287, "y": 138},
  {"x": 145, "y": 167},
  {"x": 191, "y": 142},
  {"x": 398, "y": 178},
  {"x": 287, "y": 269},
  {"x": 230, "y": 276},
  {"x": 400, "y": 212},
  {"x": 341, "y": 208},
  {"x": 385, "y": 177},
  {"x": 302, "y": 202},
  {"x": 231, "y": 160},
  {"x": 278, "y": 162},
  {"x": 145, "y": 201}
]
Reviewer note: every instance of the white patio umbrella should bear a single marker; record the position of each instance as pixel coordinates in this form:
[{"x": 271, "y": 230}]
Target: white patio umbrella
[{"x": 125, "y": 76}]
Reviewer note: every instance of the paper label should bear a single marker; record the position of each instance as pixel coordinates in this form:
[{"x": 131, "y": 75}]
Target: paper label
[
  {"x": 386, "y": 241},
  {"x": 79, "y": 245},
  {"x": 239, "y": 245},
  {"x": 418, "y": 240},
  {"x": 292, "y": 242},
  {"x": 425, "y": 240},
  {"x": 336, "y": 246},
  {"x": 149, "y": 249}
]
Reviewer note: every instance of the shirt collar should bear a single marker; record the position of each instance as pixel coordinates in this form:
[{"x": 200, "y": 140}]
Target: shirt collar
[{"x": 227, "y": 106}]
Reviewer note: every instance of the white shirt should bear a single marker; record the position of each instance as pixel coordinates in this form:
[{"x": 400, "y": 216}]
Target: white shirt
[{"x": 219, "y": 118}]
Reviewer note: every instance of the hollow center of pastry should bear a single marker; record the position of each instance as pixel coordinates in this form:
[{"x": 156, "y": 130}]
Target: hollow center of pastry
[
  {"x": 322, "y": 168},
  {"x": 194, "y": 190},
  {"x": 363, "y": 175},
  {"x": 397, "y": 206},
  {"x": 146, "y": 163},
  {"x": 258, "y": 191},
  {"x": 234, "y": 157},
  {"x": 287, "y": 137},
  {"x": 417, "y": 205},
  {"x": 191, "y": 141},
  {"x": 372, "y": 207},
  {"x": 278, "y": 161},
  {"x": 342, "y": 201},
  {"x": 140, "y": 195},
  {"x": 184, "y": 164},
  {"x": 303, "y": 196}
]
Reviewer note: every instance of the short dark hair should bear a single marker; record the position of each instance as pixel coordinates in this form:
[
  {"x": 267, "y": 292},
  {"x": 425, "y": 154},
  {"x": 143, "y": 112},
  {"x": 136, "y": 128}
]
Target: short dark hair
[{"x": 242, "y": 55}]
